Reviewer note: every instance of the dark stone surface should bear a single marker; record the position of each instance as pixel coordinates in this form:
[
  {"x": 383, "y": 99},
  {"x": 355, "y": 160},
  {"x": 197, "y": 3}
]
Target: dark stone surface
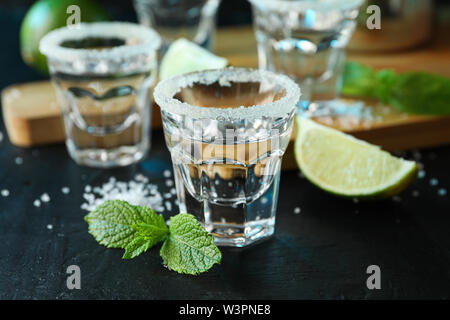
[{"x": 322, "y": 253}]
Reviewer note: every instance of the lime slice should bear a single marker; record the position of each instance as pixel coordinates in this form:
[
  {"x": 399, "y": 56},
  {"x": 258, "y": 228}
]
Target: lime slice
[
  {"x": 348, "y": 167},
  {"x": 185, "y": 56}
]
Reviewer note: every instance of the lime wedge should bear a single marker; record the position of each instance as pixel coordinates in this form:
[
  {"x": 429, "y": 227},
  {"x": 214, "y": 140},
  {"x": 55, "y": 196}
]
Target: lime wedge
[
  {"x": 348, "y": 167},
  {"x": 185, "y": 56}
]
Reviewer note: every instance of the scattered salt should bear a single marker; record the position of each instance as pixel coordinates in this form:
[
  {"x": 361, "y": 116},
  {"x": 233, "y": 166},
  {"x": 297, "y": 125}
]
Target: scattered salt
[
  {"x": 169, "y": 183},
  {"x": 168, "y": 205},
  {"x": 45, "y": 197},
  {"x": 355, "y": 200},
  {"x": 37, "y": 203},
  {"x": 297, "y": 210},
  {"x": 415, "y": 193},
  {"x": 49, "y": 227},
  {"x": 442, "y": 192},
  {"x": 421, "y": 174},
  {"x": 173, "y": 191},
  {"x": 87, "y": 188},
  {"x": 19, "y": 161},
  {"x": 168, "y": 195},
  {"x": 65, "y": 190},
  {"x": 417, "y": 155},
  {"x": 5, "y": 192},
  {"x": 134, "y": 191},
  {"x": 434, "y": 182},
  {"x": 230, "y": 184},
  {"x": 167, "y": 173}
]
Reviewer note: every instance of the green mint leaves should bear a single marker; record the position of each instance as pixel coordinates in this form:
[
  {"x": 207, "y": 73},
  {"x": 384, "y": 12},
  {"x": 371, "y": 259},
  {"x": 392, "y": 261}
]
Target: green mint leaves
[
  {"x": 187, "y": 248},
  {"x": 414, "y": 92}
]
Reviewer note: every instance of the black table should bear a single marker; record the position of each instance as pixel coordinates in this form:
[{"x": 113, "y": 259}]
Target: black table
[{"x": 321, "y": 253}]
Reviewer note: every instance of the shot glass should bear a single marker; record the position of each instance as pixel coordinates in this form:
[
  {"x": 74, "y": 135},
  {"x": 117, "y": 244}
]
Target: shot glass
[
  {"x": 306, "y": 40},
  {"x": 194, "y": 20},
  {"x": 227, "y": 131},
  {"x": 103, "y": 74}
]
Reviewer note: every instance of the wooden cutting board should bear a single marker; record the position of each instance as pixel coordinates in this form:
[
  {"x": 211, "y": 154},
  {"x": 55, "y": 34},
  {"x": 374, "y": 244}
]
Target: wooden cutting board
[{"x": 32, "y": 116}]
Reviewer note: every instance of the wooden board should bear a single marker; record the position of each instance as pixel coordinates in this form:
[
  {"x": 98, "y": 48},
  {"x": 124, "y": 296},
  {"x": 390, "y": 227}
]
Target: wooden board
[{"x": 32, "y": 116}]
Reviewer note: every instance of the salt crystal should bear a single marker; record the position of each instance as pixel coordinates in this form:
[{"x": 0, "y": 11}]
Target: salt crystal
[
  {"x": 230, "y": 184},
  {"x": 65, "y": 190},
  {"x": 167, "y": 173},
  {"x": 434, "y": 182},
  {"x": 173, "y": 191},
  {"x": 297, "y": 210},
  {"x": 167, "y": 195},
  {"x": 169, "y": 183},
  {"x": 49, "y": 227},
  {"x": 135, "y": 192},
  {"x": 442, "y": 192},
  {"x": 87, "y": 188},
  {"x": 37, "y": 203},
  {"x": 5, "y": 192},
  {"x": 417, "y": 155},
  {"x": 45, "y": 197},
  {"x": 421, "y": 174},
  {"x": 168, "y": 205},
  {"x": 19, "y": 161}
]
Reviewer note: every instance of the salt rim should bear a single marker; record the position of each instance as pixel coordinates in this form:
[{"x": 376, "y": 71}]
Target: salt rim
[
  {"x": 149, "y": 41},
  {"x": 168, "y": 88},
  {"x": 322, "y": 5}
]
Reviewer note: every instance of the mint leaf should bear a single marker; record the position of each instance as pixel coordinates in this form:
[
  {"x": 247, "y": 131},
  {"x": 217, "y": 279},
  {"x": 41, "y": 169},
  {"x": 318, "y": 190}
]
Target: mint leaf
[
  {"x": 189, "y": 248},
  {"x": 136, "y": 247},
  {"x": 413, "y": 92},
  {"x": 117, "y": 224}
]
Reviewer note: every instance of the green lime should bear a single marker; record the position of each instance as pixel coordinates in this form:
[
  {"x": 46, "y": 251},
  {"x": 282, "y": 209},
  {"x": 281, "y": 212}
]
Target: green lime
[
  {"x": 348, "y": 167},
  {"x": 185, "y": 56},
  {"x": 47, "y": 15}
]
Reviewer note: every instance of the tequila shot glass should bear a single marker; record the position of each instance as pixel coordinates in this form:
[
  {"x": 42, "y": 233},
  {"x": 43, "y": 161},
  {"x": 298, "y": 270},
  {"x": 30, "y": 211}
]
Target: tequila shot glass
[
  {"x": 306, "y": 40},
  {"x": 227, "y": 131},
  {"x": 103, "y": 74},
  {"x": 194, "y": 20}
]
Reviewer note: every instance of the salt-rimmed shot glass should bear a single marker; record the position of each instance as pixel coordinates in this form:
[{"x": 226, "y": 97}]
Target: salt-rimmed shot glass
[
  {"x": 227, "y": 131},
  {"x": 307, "y": 40},
  {"x": 194, "y": 20},
  {"x": 103, "y": 74}
]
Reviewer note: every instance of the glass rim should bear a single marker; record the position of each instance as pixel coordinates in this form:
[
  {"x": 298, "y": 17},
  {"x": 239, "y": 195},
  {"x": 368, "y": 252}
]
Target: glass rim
[
  {"x": 50, "y": 44},
  {"x": 321, "y": 5},
  {"x": 166, "y": 89}
]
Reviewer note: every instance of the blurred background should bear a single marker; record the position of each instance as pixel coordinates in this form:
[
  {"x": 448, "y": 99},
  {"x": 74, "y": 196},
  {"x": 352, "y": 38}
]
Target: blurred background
[{"x": 12, "y": 12}]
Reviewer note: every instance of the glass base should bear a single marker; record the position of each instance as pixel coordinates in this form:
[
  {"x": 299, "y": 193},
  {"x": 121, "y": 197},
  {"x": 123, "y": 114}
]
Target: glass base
[
  {"x": 238, "y": 236},
  {"x": 107, "y": 158}
]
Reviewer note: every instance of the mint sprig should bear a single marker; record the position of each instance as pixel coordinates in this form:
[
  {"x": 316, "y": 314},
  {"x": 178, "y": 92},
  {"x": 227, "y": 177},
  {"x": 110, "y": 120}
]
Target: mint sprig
[
  {"x": 412, "y": 92},
  {"x": 187, "y": 248}
]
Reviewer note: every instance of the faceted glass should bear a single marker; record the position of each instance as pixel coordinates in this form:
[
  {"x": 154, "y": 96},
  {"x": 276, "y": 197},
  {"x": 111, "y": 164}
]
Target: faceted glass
[
  {"x": 103, "y": 73},
  {"x": 306, "y": 39},
  {"x": 227, "y": 131}
]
